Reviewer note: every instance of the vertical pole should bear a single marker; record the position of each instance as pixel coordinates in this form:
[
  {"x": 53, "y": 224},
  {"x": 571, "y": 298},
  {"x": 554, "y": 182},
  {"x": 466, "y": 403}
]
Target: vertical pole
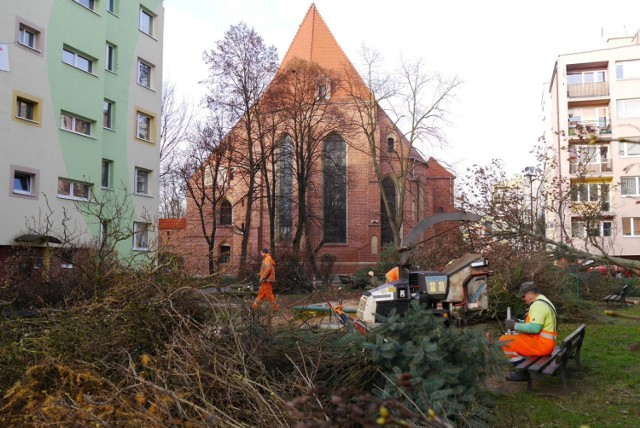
[{"x": 529, "y": 172}]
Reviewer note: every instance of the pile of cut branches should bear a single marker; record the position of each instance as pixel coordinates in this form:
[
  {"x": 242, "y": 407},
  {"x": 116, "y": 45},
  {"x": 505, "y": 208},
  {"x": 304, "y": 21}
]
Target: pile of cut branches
[{"x": 143, "y": 355}]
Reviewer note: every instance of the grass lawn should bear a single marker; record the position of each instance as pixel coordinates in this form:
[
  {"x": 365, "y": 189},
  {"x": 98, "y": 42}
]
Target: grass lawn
[{"x": 606, "y": 394}]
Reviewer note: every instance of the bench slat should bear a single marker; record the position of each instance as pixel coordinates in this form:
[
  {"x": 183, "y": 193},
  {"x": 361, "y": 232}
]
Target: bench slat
[
  {"x": 552, "y": 368},
  {"x": 541, "y": 363},
  {"x": 528, "y": 362}
]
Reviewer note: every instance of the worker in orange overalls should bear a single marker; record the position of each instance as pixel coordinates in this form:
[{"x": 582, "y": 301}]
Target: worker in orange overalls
[
  {"x": 267, "y": 278},
  {"x": 393, "y": 274},
  {"x": 536, "y": 336}
]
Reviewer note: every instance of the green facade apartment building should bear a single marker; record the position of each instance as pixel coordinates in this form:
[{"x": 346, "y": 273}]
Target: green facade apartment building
[{"x": 80, "y": 100}]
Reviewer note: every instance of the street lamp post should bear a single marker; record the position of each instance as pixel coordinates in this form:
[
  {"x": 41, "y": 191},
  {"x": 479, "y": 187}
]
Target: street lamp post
[{"x": 531, "y": 173}]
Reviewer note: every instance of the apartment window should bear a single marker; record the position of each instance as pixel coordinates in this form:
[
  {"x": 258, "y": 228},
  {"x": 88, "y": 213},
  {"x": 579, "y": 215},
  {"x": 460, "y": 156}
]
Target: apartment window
[
  {"x": 629, "y": 108},
  {"x": 142, "y": 181},
  {"x": 140, "y": 236},
  {"x": 27, "y": 36},
  {"x": 107, "y": 168},
  {"x": 107, "y": 114},
  {"x": 630, "y": 226},
  {"x": 591, "y": 192},
  {"x": 579, "y": 78},
  {"x": 110, "y": 57},
  {"x": 71, "y": 123},
  {"x": 629, "y": 149},
  {"x": 578, "y": 229},
  {"x": 89, "y": 4},
  {"x": 582, "y": 229},
  {"x": 225, "y": 213},
  {"x": 23, "y": 183},
  {"x": 225, "y": 254},
  {"x": 146, "y": 22},
  {"x": 144, "y": 73},
  {"x": 589, "y": 159},
  {"x": 73, "y": 189},
  {"x": 630, "y": 186},
  {"x": 111, "y": 6},
  {"x": 600, "y": 228},
  {"x": 143, "y": 126},
  {"x": 25, "y": 109},
  {"x": 77, "y": 60},
  {"x": 628, "y": 70}
]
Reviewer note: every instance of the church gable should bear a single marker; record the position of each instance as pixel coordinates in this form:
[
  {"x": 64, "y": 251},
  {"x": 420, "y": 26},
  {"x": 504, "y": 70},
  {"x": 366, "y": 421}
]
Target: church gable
[{"x": 314, "y": 42}]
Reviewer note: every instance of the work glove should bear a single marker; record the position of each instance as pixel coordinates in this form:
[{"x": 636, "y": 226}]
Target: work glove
[{"x": 510, "y": 324}]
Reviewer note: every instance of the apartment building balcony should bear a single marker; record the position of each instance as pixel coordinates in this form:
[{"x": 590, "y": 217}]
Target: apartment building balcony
[
  {"x": 588, "y": 90},
  {"x": 585, "y": 128},
  {"x": 582, "y": 209},
  {"x": 578, "y": 168}
]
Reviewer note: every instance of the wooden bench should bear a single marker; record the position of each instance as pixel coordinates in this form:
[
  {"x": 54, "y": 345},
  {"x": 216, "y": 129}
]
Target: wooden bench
[
  {"x": 556, "y": 363},
  {"x": 619, "y": 298}
]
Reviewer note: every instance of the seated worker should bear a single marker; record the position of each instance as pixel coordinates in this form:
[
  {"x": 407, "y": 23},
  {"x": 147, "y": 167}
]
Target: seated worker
[
  {"x": 536, "y": 336},
  {"x": 393, "y": 274}
]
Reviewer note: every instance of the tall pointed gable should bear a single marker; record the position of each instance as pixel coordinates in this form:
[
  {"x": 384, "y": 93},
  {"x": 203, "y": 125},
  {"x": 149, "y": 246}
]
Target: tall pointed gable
[{"x": 314, "y": 42}]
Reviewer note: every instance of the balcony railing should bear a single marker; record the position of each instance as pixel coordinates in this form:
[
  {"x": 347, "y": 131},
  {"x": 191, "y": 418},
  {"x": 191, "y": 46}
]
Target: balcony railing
[
  {"x": 590, "y": 168},
  {"x": 584, "y": 90},
  {"x": 585, "y": 128}
]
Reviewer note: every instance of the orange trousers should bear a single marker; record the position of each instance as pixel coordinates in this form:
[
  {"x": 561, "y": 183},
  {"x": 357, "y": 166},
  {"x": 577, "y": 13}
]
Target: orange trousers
[
  {"x": 516, "y": 346},
  {"x": 265, "y": 292}
]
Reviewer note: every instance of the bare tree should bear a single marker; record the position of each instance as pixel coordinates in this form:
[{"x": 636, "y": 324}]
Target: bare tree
[
  {"x": 176, "y": 118},
  {"x": 205, "y": 174},
  {"x": 417, "y": 101},
  {"x": 276, "y": 171},
  {"x": 240, "y": 69},
  {"x": 95, "y": 262},
  {"x": 517, "y": 213}
]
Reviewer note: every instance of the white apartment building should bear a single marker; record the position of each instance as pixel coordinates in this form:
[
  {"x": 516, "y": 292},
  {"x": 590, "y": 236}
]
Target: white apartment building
[{"x": 594, "y": 113}]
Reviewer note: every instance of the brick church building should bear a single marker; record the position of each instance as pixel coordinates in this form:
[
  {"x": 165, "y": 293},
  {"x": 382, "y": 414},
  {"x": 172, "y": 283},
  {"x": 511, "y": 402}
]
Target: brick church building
[{"x": 359, "y": 226}]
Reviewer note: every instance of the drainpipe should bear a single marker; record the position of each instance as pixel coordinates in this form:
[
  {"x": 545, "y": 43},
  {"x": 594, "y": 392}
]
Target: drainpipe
[{"x": 558, "y": 145}]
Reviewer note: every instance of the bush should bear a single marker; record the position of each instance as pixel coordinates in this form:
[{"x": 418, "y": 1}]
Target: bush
[
  {"x": 291, "y": 274},
  {"x": 327, "y": 262}
]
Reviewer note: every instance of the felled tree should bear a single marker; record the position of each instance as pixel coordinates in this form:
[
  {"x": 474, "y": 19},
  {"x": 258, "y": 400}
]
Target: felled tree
[{"x": 437, "y": 367}]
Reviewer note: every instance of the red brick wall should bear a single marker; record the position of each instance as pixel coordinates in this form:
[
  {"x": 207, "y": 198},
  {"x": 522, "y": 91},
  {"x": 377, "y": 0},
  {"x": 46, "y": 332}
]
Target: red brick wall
[{"x": 363, "y": 214}]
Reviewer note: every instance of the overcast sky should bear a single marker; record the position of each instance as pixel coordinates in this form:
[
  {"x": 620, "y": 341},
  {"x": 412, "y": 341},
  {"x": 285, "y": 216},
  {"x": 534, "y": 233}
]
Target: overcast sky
[{"x": 503, "y": 51}]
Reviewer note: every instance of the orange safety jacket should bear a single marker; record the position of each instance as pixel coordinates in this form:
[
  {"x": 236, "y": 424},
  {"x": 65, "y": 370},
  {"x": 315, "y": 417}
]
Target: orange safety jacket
[{"x": 268, "y": 269}]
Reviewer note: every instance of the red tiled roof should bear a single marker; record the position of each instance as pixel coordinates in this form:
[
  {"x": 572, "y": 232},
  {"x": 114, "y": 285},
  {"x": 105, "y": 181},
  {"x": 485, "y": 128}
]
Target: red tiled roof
[
  {"x": 314, "y": 42},
  {"x": 172, "y": 223}
]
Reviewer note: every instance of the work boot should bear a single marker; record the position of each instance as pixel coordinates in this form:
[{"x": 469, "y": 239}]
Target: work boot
[{"x": 517, "y": 376}]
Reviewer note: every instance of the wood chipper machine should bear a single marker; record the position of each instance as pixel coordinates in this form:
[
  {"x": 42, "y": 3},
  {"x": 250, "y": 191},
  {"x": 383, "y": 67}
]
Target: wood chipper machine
[{"x": 453, "y": 293}]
